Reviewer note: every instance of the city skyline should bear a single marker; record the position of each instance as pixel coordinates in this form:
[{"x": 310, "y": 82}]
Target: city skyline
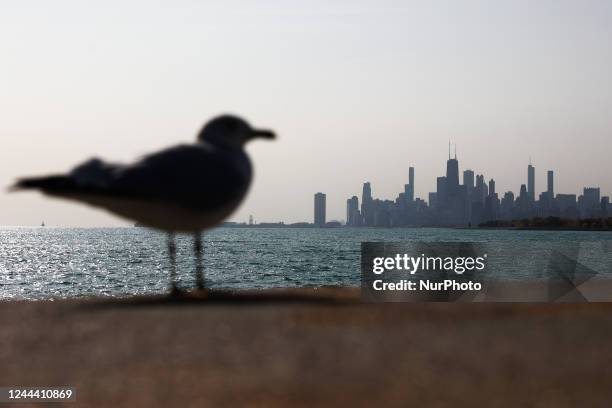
[
  {"x": 530, "y": 186},
  {"x": 469, "y": 201},
  {"x": 473, "y": 201},
  {"x": 355, "y": 90}
]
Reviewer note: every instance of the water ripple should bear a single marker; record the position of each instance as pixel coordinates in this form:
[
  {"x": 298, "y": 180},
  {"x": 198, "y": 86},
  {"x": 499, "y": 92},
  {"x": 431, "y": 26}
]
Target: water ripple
[{"x": 48, "y": 262}]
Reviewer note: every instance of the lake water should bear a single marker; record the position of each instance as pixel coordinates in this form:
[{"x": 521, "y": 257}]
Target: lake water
[{"x": 38, "y": 263}]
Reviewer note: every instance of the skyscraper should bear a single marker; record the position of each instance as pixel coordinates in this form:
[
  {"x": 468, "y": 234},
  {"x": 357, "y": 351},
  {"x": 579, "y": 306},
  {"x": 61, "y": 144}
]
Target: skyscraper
[
  {"x": 367, "y": 205},
  {"x": 352, "y": 212},
  {"x": 491, "y": 187},
  {"x": 567, "y": 205},
  {"x": 605, "y": 205},
  {"x": 480, "y": 190},
  {"x": 591, "y": 202},
  {"x": 452, "y": 177},
  {"x": 507, "y": 204},
  {"x": 410, "y": 190},
  {"x": 468, "y": 180},
  {"x": 531, "y": 182},
  {"x": 550, "y": 185},
  {"x": 319, "y": 209},
  {"x": 366, "y": 192},
  {"x": 441, "y": 191},
  {"x": 433, "y": 200}
]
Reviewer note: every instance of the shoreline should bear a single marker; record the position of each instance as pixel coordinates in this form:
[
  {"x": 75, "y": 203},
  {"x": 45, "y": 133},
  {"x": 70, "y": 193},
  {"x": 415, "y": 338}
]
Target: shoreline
[
  {"x": 473, "y": 228},
  {"x": 539, "y": 229}
]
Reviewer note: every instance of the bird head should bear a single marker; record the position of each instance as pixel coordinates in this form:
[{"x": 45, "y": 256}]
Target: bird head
[{"x": 231, "y": 132}]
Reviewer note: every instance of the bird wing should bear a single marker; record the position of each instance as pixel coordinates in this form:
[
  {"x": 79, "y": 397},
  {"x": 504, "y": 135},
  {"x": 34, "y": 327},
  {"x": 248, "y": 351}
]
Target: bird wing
[{"x": 195, "y": 176}]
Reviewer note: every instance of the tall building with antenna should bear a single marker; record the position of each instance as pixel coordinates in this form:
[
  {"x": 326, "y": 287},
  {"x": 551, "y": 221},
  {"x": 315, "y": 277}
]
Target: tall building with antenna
[{"x": 452, "y": 174}]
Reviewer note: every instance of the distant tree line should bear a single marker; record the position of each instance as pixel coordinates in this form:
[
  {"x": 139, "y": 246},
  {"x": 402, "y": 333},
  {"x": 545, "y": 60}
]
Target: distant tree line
[{"x": 552, "y": 223}]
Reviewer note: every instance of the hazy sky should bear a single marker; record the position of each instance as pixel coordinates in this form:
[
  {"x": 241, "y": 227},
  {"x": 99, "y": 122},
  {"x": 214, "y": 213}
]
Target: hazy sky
[{"x": 357, "y": 91}]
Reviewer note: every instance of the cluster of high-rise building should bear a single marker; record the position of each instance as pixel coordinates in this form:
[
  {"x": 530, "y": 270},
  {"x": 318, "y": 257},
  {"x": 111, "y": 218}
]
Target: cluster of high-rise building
[{"x": 469, "y": 203}]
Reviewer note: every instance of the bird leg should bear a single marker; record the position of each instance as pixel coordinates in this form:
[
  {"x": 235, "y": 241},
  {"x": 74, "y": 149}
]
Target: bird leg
[
  {"x": 198, "y": 249},
  {"x": 172, "y": 254}
]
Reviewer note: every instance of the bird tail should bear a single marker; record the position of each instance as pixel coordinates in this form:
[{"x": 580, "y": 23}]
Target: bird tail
[{"x": 47, "y": 183}]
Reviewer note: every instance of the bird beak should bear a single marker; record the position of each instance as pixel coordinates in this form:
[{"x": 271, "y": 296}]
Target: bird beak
[{"x": 263, "y": 134}]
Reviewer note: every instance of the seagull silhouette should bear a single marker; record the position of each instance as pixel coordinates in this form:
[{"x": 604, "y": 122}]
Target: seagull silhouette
[{"x": 186, "y": 188}]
